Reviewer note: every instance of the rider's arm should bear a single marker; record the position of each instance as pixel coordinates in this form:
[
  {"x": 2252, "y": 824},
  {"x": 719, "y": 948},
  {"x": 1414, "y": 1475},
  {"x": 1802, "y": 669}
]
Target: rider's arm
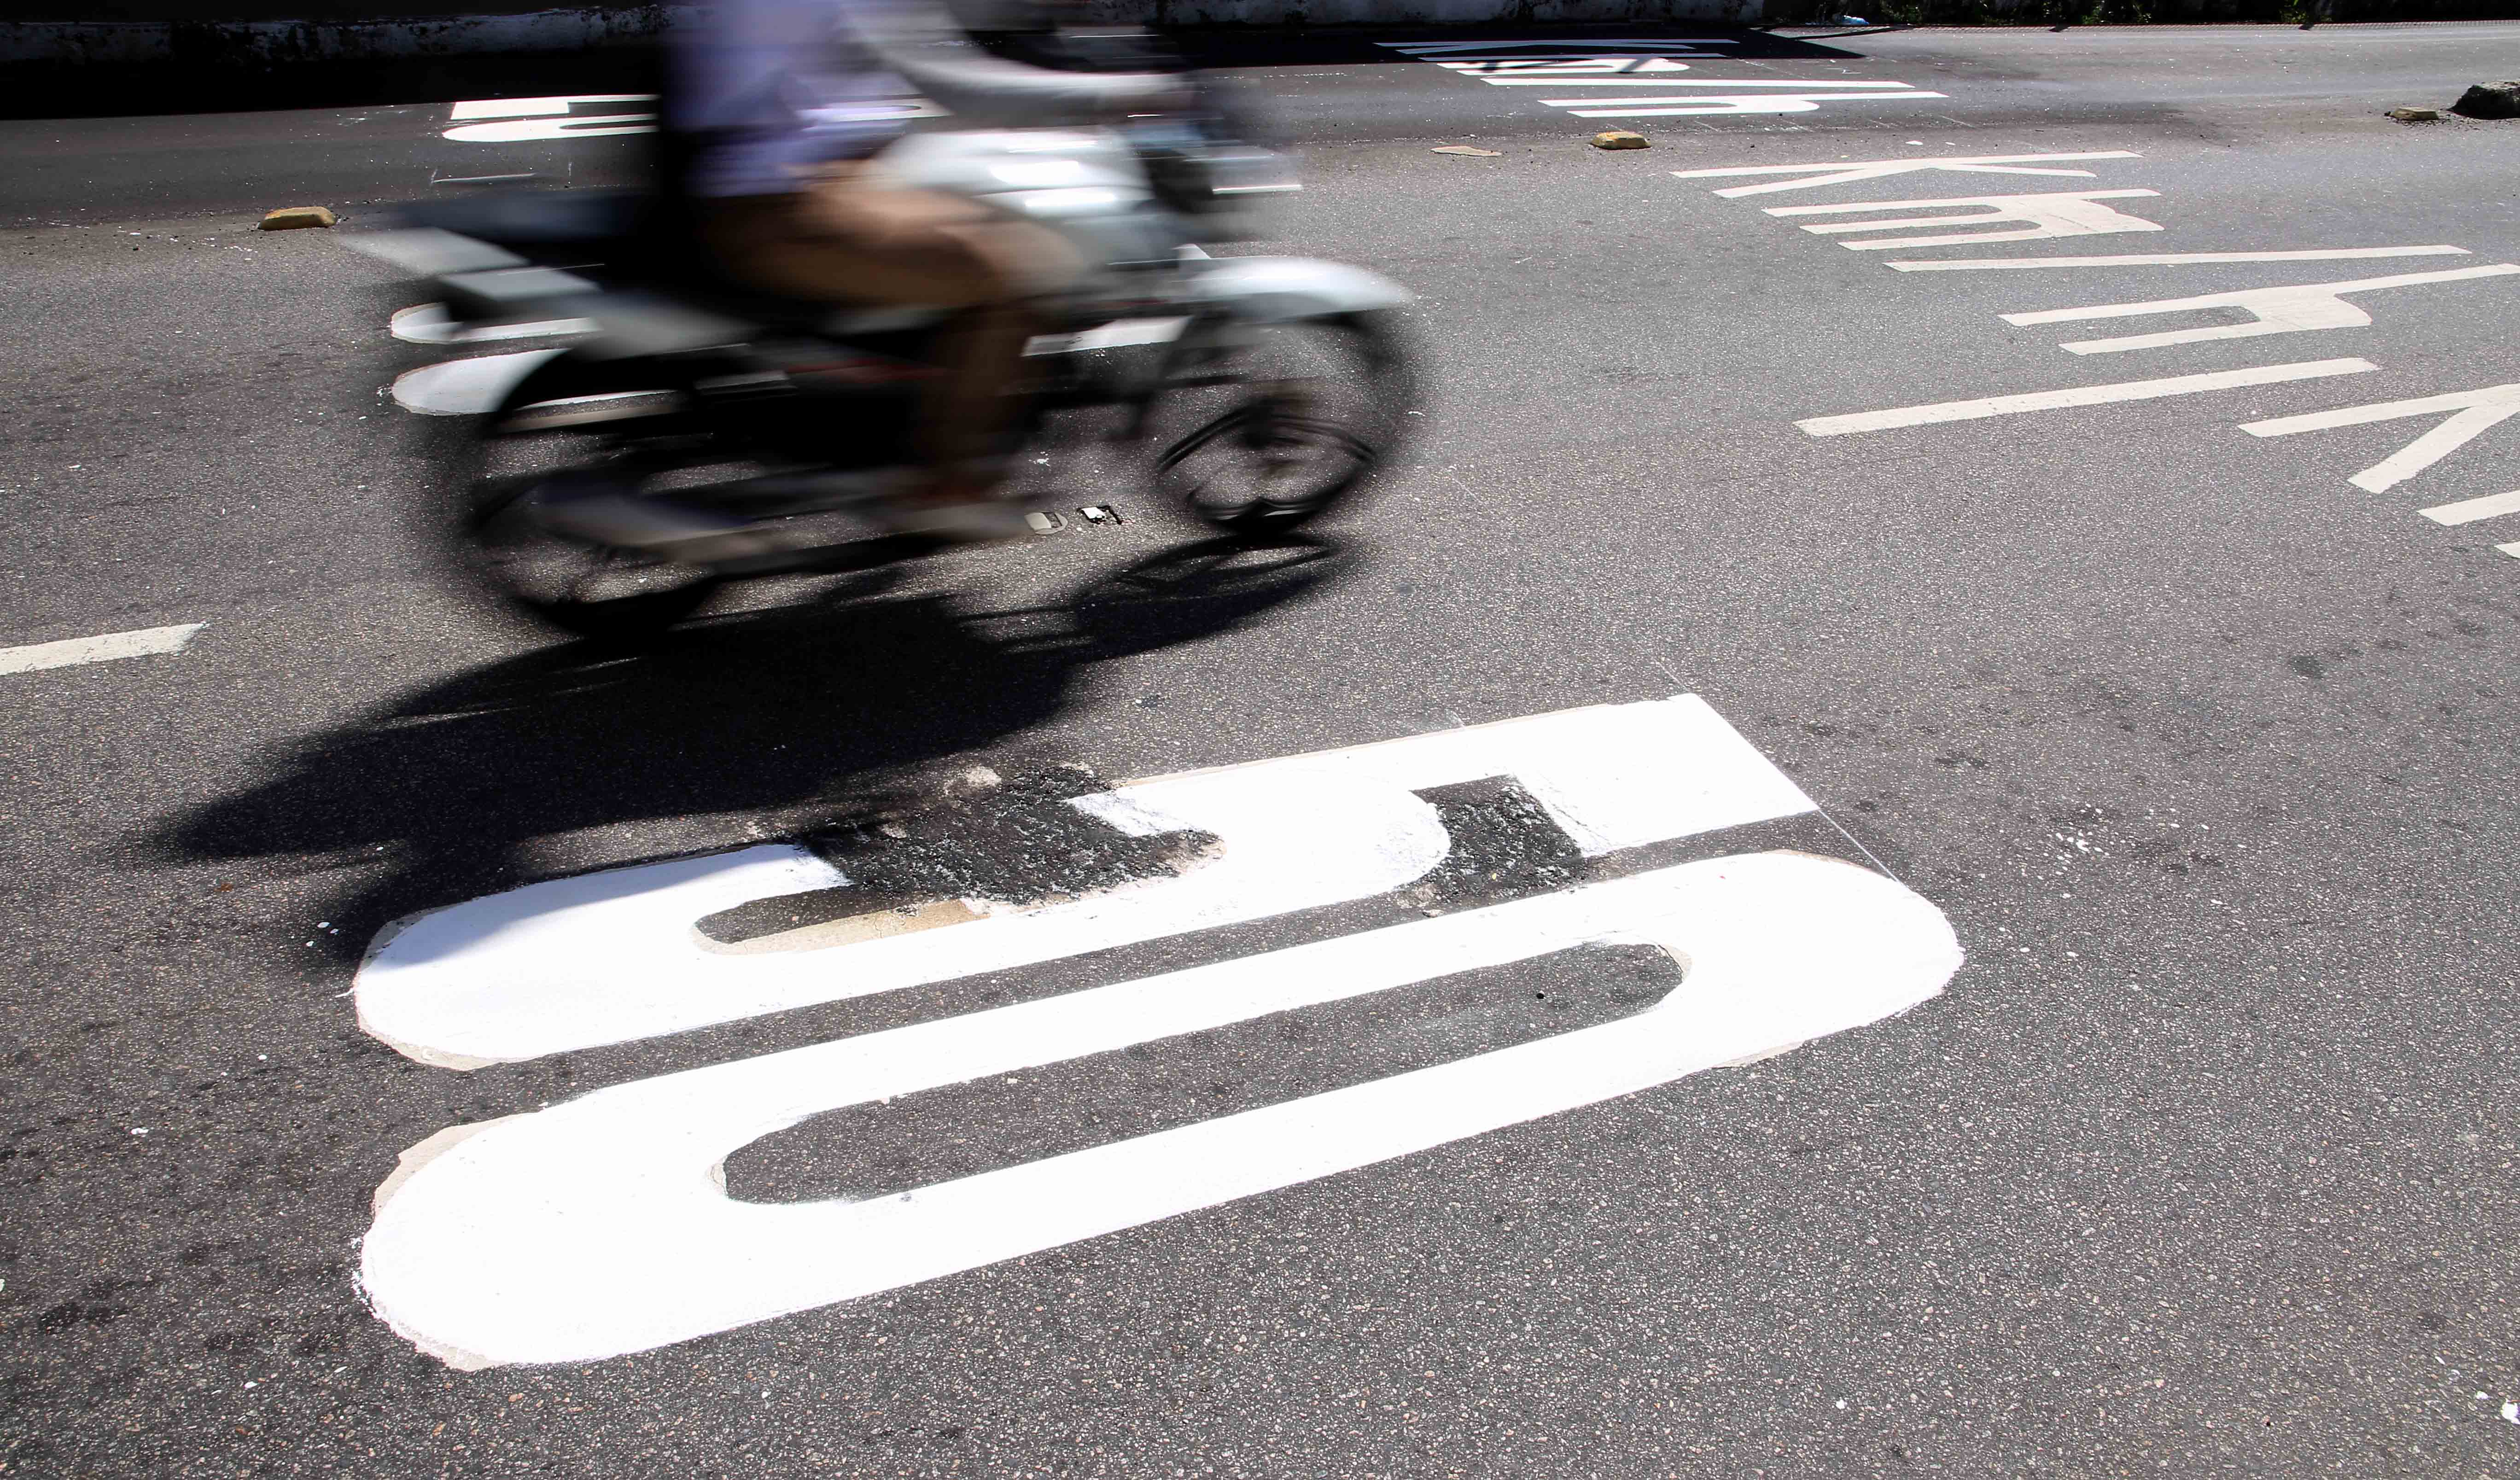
[{"x": 922, "y": 40}]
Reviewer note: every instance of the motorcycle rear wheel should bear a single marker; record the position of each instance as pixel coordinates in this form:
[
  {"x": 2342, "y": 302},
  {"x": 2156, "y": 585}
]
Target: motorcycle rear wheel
[{"x": 530, "y": 452}]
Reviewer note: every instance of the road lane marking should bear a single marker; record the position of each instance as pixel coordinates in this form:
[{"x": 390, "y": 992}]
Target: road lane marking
[
  {"x": 2473, "y": 413},
  {"x": 2294, "y": 308},
  {"x": 2081, "y": 396},
  {"x": 606, "y": 958},
  {"x": 1873, "y": 170},
  {"x": 2057, "y": 214},
  {"x": 1527, "y": 49},
  {"x": 1705, "y": 107},
  {"x": 524, "y": 120},
  {"x": 1613, "y": 65},
  {"x": 2470, "y": 511},
  {"x": 1806, "y": 83},
  {"x": 427, "y": 324},
  {"x": 536, "y": 107},
  {"x": 602, "y": 1226},
  {"x": 70, "y": 653},
  {"x": 2173, "y": 258},
  {"x": 466, "y": 388}
]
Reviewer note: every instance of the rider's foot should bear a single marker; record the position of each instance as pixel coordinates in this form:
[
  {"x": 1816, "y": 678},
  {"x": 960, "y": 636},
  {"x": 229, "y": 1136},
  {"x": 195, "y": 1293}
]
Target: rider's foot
[
  {"x": 963, "y": 508},
  {"x": 967, "y": 521}
]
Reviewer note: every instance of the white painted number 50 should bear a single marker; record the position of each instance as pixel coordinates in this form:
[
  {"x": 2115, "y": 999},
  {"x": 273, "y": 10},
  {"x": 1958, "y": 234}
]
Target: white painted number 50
[{"x": 602, "y": 1226}]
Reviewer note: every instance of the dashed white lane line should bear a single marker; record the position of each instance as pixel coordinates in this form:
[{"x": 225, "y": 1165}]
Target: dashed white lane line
[
  {"x": 2470, "y": 511},
  {"x": 465, "y": 387},
  {"x": 2080, "y": 396},
  {"x": 70, "y": 653},
  {"x": 427, "y": 324},
  {"x": 2173, "y": 258}
]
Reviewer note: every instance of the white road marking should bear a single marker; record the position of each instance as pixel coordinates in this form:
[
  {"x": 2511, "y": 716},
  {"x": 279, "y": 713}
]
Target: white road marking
[
  {"x": 1617, "y": 65},
  {"x": 524, "y": 120},
  {"x": 1806, "y": 83},
  {"x": 1546, "y": 48},
  {"x": 602, "y": 1227},
  {"x": 607, "y": 957},
  {"x": 465, "y": 387},
  {"x": 2295, "y": 308},
  {"x": 70, "y": 653},
  {"x": 530, "y": 130},
  {"x": 2473, "y": 413},
  {"x": 2083, "y": 395},
  {"x": 536, "y": 107},
  {"x": 1704, "y": 106},
  {"x": 1587, "y": 69},
  {"x": 2064, "y": 213},
  {"x": 2470, "y": 511},
  {"x": 427, "y": 324},
  {"x": 1850, "y": 172},
  {"x": 2173, "y": 258}
]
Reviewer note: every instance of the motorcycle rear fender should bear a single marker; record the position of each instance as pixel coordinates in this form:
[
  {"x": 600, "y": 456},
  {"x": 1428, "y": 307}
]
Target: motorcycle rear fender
[{"x": 1280, "y": 289}]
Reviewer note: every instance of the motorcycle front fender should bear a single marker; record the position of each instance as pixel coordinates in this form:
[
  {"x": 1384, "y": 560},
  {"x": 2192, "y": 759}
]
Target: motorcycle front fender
[{"x": 1280, "y": 290}]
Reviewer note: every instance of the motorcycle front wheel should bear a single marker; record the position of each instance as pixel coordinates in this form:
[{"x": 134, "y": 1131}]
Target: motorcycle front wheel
[{"x": 1265, "y": 427}]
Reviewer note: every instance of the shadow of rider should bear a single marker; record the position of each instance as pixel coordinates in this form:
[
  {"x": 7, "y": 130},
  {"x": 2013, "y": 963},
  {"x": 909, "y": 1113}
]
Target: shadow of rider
[{"x": 759, "y": 725}]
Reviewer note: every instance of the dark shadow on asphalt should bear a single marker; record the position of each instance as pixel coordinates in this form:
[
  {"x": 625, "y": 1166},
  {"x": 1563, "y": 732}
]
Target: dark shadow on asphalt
[{"x": 787, "y": 718}]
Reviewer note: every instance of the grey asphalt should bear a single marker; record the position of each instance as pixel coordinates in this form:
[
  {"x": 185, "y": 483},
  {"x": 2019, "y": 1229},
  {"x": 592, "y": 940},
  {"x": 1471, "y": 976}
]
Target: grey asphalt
[{"x": 2202, "y": 1165}]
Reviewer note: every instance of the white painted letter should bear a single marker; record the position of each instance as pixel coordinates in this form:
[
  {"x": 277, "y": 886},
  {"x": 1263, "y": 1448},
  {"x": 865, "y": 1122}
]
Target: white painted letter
[
  {"x": 607, "y": 957},
  {"x": 2473, "y": 412},
  {"x": 600, "y": 1227},
  {"x": 2295, "y": 309},
  {"x": 2065, "y": 213},
  {"x": 1848, "y": 173}
]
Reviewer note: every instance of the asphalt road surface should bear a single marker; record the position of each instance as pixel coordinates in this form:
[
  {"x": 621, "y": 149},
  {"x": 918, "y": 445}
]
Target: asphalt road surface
[{"x": 2090, "y": 610}]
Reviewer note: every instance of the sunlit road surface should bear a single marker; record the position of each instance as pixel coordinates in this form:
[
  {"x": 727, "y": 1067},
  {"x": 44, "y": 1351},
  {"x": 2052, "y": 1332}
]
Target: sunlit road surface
[{"x": 2081, "y": 512}]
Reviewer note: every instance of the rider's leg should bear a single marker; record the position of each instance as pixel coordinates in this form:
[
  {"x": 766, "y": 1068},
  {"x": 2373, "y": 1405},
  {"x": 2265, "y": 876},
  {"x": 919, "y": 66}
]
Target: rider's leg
[{"x": 849, "y": 240}]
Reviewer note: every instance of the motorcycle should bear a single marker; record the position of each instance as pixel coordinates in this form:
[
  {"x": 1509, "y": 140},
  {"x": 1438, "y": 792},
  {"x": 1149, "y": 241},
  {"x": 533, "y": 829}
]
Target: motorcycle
[{"x": 698, "y": 433}]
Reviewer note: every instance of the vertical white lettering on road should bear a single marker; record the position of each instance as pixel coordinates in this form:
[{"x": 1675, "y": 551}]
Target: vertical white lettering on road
[
  {"x": 520, "y": 120},
  {"x": 2468, "y": 510},
  {"x": 2472, "y": 412},
  {"x": 465, "y": 387},
  {"x": 427, "y": 324},
  {"x": 110, "y": 647},
  {"x": 1508, "y": 53},
  {"x": 606, "y": 958},
  {"x": 1614, "y": 64},
  {"x": 2084, "y": 395},
  {"x": 2171, "y": 259},
  {"x": 2299, "y": 308},
  {"x": 2065, "y": 213},
  {"x": 1708, "y": 105},
  {"x": 602, "y": 1227},
  {"x": 1848, "y": 173},
  {"x": 527, "y": 120}
]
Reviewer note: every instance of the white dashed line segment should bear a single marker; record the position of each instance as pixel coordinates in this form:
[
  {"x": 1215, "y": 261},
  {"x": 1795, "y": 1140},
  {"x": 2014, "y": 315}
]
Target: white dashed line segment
[
  {"x": 2470, "y": 511},
  {"x": 70, "y": 653}
]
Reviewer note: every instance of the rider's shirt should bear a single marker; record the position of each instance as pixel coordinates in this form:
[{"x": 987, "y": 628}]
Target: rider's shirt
[{"x": 764, "y": 91}]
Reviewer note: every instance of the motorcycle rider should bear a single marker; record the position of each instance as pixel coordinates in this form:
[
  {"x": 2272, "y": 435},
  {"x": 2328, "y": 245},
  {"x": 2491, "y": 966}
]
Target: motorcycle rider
[{"x": 773, "y": 108}]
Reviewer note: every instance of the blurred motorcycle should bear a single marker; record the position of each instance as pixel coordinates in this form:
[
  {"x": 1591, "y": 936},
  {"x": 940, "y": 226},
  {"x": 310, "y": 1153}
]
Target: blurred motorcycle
[{"x": 700, "y": 433}]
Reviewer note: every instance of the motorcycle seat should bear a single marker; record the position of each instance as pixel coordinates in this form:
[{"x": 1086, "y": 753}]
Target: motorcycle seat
[{"x": 637, "y": 234}]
